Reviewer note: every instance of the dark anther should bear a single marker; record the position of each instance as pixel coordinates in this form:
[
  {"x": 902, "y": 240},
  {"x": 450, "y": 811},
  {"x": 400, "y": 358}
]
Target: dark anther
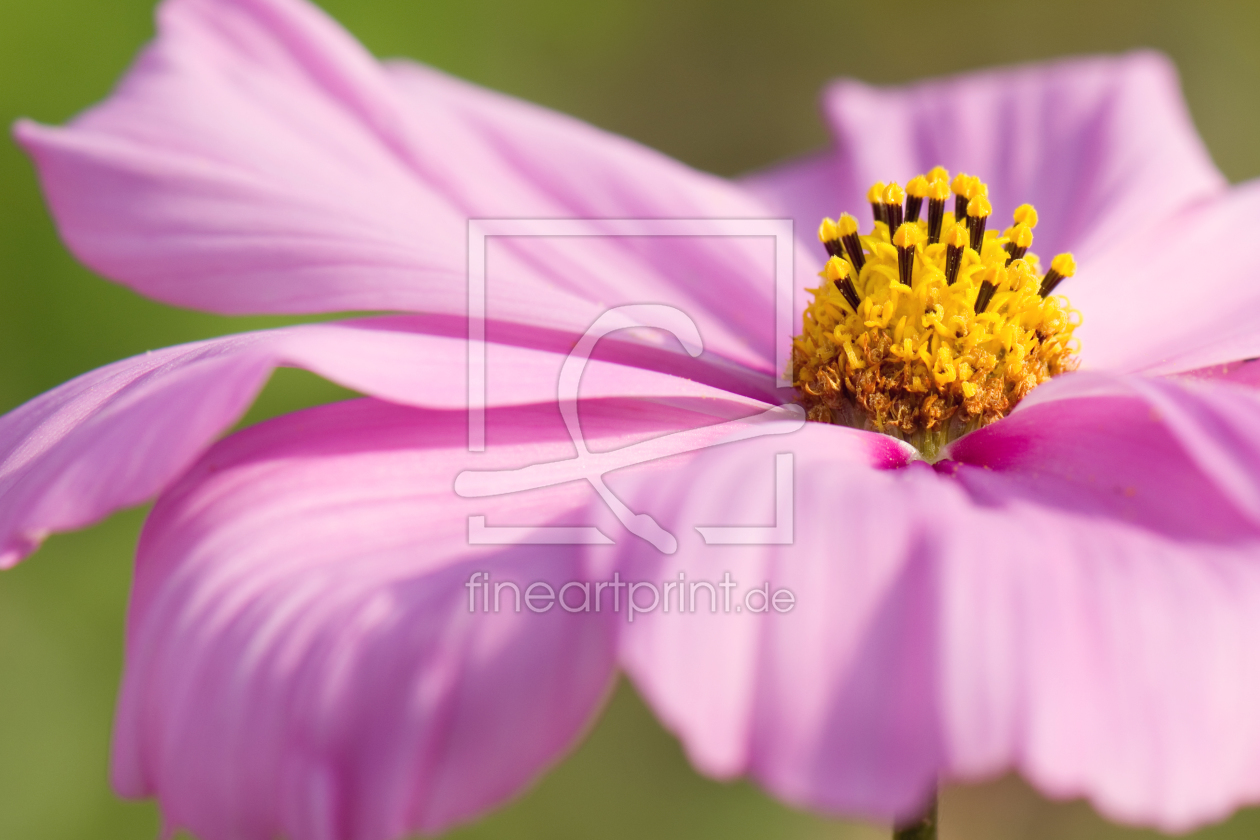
[
  {"x": 914, "y": 206},
  {"x": 1052, "y": 279},
  {"x": 953, "y": 262},
  {"x": 975, "y": 224},
  {"x": 877, "y": 210},
  {"x": 917, "y": 189},
  {"x": 905, "y": 264},
  {"x": 936, "y": 218},
  {"x": 955, "y": 245},
  {"x": 1061, "y": 267},
  {"x": 892, "y": 215},
  {"x": 845, "y": 285},
  {"x": 853, "y": 248},
  {"x": 978, "y": 211},
  {"x": 984, "y": 296}
]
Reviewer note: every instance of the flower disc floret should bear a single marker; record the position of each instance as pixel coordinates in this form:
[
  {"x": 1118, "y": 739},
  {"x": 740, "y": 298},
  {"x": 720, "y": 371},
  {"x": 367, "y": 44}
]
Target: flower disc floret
[{"x": 928, "y": 329}]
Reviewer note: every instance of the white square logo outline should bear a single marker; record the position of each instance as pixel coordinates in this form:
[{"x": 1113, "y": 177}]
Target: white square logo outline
[{"x": 781, "y": 230}]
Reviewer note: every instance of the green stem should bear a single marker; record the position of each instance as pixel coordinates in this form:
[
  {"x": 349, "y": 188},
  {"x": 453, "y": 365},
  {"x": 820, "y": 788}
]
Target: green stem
[{"x": 922, "y": 828}]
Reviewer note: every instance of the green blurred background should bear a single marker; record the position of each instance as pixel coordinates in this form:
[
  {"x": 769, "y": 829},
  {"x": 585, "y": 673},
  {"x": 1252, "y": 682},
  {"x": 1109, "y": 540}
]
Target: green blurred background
[{"x": 726, "y": 86}]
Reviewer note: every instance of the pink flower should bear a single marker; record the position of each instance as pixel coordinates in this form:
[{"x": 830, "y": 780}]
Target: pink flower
[{"x": 1072, "y": 593}]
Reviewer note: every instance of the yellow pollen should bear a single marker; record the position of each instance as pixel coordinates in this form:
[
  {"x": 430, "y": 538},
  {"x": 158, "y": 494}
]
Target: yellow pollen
[
  {"x": 836, "y": 268},
  {"x": 876, "y": 193},
  {"x": 927, "y": 340},
  {"x": 1064, "y": 264},
  {"x": 909, "y": 235},
  {"x": 1026, "y": 214},
  {"x": 827, "y": 231}
]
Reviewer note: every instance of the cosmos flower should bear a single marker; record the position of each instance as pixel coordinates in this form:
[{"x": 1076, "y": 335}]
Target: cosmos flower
[{"x": 1070, "y": 591}]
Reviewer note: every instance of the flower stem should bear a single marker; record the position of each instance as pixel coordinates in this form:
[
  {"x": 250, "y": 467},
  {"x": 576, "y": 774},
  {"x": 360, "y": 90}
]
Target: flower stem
[{"x": 921, "y": 828}]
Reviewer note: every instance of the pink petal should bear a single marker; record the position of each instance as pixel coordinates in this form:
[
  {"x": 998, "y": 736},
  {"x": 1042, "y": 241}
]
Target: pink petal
[
  {"x": 257, "y": 159},
  {"x": 252, "y": 161},
  {"x": 1139, "y": 684},
  {"x": 516, "y": 159},
  {"x": 116, "y": 436},
  {"x": 1101, "y": 146},
  {"x": 1075, "y": 602},
  {"x": 1181, "y": 298},
  {"x": 1204, "y": 430},
  {"x": 1245, "y": 372},
  {"x": 706, "y": 675},
  {"x": 300, "y": 625}
]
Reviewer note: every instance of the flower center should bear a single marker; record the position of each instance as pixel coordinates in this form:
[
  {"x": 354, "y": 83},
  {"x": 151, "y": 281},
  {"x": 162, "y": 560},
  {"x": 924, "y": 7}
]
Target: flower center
[{"x": 928, "y": 329}]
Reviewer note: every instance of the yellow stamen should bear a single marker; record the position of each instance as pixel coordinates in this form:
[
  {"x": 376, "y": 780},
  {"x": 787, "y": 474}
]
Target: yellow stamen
[
  {"x": 837, "y": 270},
  {"x": 978, "y": 211},
  {"x": 920, "y": 336},
  {"x": 906, "y": 239},
  {"x": 938, "y": 191},
  {"x": 893, "y": 213},
  {"x": 1065, "y": 264},
  {"x": 916, "y": 191},
  {"x": 827, "y": 231},
  {"x": 1020, "y": 240},
  {"x": 908, "y": 235},
  {"x": 875, "y": 195},
  {"x": 847, "y": 228},
  {"x": 1026, "y": 214},
  {"x": 966, "y": 188},
  {"x": 1061, "y": 267}
]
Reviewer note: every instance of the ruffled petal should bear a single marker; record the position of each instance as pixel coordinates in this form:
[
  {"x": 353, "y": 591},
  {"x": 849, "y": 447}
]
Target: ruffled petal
[
  {"x": 305, "y": 655},
  {"x": 971, "y": 619},
  {"x": 117, "y": 435},
  {"x": 257, "y": 159},
  {"x": 1102, "y": 146}
]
